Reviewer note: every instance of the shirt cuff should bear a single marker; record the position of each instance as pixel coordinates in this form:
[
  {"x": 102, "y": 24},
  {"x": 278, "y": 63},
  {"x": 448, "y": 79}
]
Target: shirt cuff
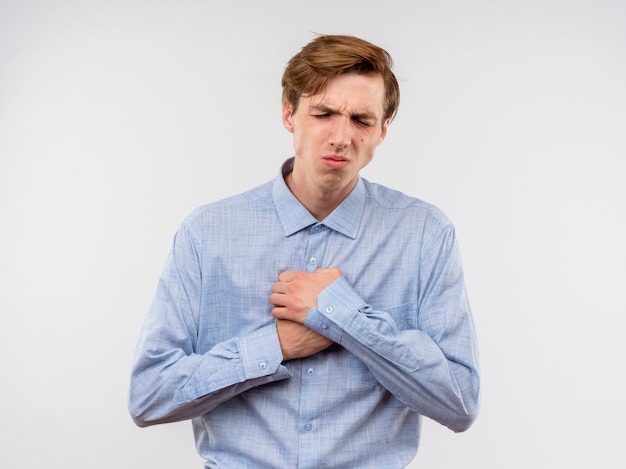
[
  {"x": 338, "y": 307},
  {"x": 260, "y": 352}
]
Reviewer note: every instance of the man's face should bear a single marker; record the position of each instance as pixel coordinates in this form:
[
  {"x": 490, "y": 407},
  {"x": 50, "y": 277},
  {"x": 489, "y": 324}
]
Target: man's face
[{"x": 335, "y": 134}]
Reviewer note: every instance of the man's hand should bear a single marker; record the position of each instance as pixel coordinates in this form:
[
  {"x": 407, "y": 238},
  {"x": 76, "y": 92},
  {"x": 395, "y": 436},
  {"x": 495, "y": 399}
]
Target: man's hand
[
  {"x": 293, "y": 296},
  {"x": 298, "y": 341},
  {"x": 296, "y": 293}
]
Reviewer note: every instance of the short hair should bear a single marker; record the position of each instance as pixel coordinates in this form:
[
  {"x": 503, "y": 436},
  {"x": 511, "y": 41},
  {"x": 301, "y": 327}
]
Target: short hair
[{"x": 328, "y": 56}]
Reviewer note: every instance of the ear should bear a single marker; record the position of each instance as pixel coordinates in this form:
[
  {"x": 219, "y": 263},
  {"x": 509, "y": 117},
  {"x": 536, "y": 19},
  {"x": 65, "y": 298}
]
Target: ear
[
  {"x": 383, "y": 133},
  {"x": 288, "y": 116}
]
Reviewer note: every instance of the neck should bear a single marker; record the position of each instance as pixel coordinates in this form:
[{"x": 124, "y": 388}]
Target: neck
[{"x": 319, "y": 203}]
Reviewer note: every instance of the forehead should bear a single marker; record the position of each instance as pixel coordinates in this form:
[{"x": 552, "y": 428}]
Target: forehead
[{"x": 352, "y": 92}]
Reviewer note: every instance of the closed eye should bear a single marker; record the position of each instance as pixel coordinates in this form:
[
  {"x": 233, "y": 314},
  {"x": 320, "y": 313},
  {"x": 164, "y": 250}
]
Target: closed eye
[{"x": 363, "y": 122}]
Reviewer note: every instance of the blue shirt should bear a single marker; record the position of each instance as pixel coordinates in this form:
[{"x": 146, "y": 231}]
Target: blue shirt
[{"x": 405, "y": 344}]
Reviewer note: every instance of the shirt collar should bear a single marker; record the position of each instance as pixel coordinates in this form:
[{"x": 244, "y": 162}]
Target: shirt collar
[{"x": 345, "y": 219}]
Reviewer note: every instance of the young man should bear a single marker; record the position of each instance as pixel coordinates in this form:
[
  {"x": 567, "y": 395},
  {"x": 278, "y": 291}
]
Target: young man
[{"x": 312, "y": 321}]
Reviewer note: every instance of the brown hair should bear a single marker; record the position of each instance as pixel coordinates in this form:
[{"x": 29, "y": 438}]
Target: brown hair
[{"x": 327, "y": 56}]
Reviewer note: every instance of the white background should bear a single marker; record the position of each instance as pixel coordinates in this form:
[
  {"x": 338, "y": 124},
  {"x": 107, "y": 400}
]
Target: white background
[{"x": 117, "y": 118}]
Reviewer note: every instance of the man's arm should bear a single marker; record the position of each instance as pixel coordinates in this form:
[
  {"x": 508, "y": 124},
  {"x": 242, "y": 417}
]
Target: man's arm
[
  {"x": 433, "y": 369},
  {"x": 170, "y": 381}
]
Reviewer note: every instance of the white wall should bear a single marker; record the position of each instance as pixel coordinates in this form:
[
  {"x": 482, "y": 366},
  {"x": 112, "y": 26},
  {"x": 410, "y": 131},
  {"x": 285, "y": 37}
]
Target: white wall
[{"x": 117, "y": 118}]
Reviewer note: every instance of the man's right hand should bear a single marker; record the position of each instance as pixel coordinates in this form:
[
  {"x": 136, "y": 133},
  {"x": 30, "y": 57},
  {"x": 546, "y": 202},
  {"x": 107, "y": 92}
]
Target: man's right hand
[{"x": 298, "y": 341}]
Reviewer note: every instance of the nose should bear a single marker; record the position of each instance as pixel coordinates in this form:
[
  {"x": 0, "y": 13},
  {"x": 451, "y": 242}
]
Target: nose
[{"x": 341, "y": 137}]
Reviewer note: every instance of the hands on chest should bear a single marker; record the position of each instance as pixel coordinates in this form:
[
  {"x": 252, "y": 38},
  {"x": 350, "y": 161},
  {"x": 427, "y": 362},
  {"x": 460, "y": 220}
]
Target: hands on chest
[{"x": 293, "y": 295}]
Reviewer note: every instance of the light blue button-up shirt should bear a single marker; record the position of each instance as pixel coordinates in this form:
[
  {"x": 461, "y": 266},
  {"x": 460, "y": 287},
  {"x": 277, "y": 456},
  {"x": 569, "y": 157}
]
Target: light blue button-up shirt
[{"x": 405, "y": 344}]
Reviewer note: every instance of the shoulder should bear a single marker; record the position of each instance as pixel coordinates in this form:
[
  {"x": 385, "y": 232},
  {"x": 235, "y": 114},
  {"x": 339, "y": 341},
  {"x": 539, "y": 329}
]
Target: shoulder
[
  {"x": 392, "y": 201},
  {"x": 231, "y": 208}
]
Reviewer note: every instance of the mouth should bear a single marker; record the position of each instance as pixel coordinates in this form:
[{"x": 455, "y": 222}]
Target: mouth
[{"x": 335, "y": 162}]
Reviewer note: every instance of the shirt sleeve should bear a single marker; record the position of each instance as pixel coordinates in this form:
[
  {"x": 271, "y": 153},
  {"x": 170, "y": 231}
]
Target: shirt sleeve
[
  {"x": 169, "y": 380},
  {"x": 433, "y": 369}
]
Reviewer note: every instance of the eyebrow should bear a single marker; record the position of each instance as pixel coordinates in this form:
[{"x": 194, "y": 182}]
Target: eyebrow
[{"x": 329, "y": 110}]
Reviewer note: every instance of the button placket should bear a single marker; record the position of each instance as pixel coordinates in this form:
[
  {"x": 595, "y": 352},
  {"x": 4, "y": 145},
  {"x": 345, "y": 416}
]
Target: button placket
[{"x": 315, "y": 247}]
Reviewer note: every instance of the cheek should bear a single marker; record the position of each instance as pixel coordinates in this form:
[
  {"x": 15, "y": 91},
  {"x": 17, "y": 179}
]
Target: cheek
[
  {"x": 301, "y": 144},
  {"x": 366, "y": 158},
  {"x": 366, "y": 151}
]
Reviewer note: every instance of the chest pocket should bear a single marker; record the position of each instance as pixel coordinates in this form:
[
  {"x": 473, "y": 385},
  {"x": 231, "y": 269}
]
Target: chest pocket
[
  {"x": 405, "y": 318},
  {"x": 354, "y": 372}
]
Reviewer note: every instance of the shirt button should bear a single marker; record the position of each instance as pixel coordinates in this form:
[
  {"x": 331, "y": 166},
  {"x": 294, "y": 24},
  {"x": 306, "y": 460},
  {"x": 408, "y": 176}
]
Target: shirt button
[
  {"x": 329, "y": 309},
  {"x": 263, "y": 365},
  {"x": 324, "y": 325},
  {"x": 308, "y": 427},
  {"x": 310, "y": 372},
  {"x": 312, "y": 261}
]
